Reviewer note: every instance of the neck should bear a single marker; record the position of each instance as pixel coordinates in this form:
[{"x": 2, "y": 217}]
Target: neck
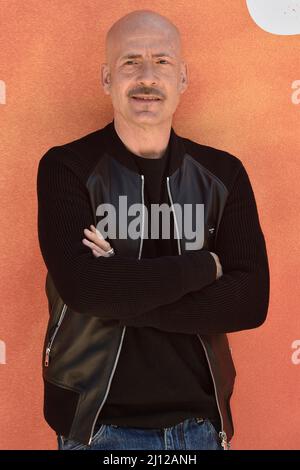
[{"x": 147, "y": 141}]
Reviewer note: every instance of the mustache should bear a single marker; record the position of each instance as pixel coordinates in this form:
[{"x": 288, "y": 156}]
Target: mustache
[{"x": 146, "y": 91}]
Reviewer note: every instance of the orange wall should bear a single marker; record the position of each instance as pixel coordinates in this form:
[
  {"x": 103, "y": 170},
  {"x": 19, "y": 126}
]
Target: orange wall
[{"x": 239, "y": 99}]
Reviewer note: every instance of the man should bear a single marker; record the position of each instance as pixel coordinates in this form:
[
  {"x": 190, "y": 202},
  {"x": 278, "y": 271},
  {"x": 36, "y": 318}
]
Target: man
[{"x": 136, "y": 354}]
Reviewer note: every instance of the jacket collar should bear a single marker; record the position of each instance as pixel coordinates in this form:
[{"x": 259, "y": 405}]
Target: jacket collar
[{"x": 116, "y": 148}]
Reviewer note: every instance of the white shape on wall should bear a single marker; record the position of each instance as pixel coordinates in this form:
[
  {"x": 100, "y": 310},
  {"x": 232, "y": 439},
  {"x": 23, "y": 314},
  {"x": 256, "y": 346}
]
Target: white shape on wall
[
  {"x": 276, "y": 16},
  {"x": 296, "y": 93},
  {"x": 296, "y": 354},
  {"x": 2, "y": 352},
  {"x": 2, "y": 92}
]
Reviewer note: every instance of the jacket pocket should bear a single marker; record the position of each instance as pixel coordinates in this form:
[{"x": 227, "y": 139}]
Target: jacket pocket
[{"x": 53, "y": 335}]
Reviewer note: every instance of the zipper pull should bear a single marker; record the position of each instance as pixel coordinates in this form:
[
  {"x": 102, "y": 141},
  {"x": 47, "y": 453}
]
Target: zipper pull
[
  {"x": 47, "y": 357},
  {"x": 224, "y": 442}
]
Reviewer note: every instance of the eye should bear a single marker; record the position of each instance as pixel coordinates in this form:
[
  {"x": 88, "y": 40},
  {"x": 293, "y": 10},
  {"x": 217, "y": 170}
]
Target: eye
[{"x": 163, "y": 60}]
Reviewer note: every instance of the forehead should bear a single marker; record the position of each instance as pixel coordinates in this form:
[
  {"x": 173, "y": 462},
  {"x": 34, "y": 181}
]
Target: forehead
[{"x": 140, "y": 43}]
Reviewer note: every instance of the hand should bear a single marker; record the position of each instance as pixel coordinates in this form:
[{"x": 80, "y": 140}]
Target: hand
[
  {"x": 96, "y": 243},
  {"x": 219, "y": 266}
]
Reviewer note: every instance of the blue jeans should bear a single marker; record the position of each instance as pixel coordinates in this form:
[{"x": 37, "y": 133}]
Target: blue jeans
[{"x": 190, "y": 434}]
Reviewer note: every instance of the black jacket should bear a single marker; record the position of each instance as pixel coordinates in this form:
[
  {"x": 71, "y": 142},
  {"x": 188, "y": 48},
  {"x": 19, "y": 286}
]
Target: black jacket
[{"x": 83, "y": 341}]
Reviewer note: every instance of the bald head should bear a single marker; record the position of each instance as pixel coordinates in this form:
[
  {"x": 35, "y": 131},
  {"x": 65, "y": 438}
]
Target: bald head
[
  {"x": 143, "y": 57},
  {"x": 139, "y": 23}
]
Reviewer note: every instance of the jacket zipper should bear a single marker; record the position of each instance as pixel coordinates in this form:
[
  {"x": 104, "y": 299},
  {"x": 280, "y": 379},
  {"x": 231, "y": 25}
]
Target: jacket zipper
[
  {"x": 222, "y": 433},
  {"x": 124, "y": 328},
  {"x": 50, "y": 343}
]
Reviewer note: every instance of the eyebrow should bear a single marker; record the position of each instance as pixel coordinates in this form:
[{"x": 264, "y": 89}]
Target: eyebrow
[{"x": 137, "y": 56}]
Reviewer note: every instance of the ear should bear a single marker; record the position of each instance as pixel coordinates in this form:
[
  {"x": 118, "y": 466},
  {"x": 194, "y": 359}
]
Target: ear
[
  {"x": 105, "y": 78},
  {"x": 184, "y": 77}
]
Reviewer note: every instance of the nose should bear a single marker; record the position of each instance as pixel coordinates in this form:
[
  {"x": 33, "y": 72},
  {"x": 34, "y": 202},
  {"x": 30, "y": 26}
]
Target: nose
[{"x": 146, "y": 74}]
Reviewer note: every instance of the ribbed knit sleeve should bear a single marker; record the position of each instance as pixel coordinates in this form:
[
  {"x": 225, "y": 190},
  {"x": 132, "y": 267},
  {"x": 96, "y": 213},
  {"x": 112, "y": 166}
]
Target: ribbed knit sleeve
[
  {"x": 239, "y": 299},
  {"x": 111, "y": 288}
]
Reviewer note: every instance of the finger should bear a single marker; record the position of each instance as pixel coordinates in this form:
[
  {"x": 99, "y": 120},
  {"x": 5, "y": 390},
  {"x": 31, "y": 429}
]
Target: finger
[
  {"x": 95, "y": 234},
  {"x": 94, "y": 238},
  {"x": 96, "y": 254},
  {"x": 95, "y": 230},
  {"x": 93, "y": 246}
]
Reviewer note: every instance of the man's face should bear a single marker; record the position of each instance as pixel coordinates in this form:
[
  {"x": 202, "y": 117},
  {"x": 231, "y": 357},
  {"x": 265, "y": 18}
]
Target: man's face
[{"x": 145, "y": 63}]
